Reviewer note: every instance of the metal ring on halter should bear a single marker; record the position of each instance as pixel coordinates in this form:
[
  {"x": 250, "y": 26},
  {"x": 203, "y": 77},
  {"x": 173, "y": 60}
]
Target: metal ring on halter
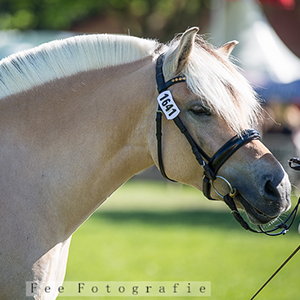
[{"x": 232, "y": 192}]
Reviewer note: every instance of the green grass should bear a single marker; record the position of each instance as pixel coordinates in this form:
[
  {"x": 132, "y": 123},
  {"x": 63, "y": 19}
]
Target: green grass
[{"x": 159, "y": 232}]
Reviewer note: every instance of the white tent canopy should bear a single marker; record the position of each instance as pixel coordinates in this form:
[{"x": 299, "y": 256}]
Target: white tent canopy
[{"x": 267, "y": 62}]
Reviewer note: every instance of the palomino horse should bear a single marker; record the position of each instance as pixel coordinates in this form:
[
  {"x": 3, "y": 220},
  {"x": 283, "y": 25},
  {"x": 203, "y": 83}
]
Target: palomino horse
[{"x": 77, "y": 120}]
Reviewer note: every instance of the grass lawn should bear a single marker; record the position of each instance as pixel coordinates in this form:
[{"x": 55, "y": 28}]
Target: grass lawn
[{"x": 166, "y": 232}]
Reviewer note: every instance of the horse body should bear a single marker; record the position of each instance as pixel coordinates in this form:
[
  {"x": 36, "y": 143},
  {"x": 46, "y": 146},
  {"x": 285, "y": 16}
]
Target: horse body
[
  {"x": 68, "y": 144},
  {"x": 44, "y": 159}
]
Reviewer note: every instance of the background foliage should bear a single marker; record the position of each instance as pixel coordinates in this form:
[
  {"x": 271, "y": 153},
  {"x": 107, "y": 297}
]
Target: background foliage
[{"x": 149, "y": 17}]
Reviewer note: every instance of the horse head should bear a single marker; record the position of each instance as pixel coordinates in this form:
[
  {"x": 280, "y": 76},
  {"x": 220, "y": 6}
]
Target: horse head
[{"x": 216, "y": 106}]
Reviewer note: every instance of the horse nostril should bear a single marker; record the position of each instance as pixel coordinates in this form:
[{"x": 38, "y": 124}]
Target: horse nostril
[{"x": 271, "y": 190}]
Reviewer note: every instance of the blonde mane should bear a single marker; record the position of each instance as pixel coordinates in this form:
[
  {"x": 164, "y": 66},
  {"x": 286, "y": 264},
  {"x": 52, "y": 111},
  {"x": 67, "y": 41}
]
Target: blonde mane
[
  {"x": 210, "y": 75},
  {"x": 214, "y": 79},
  {"x": 62, "y": 58}
]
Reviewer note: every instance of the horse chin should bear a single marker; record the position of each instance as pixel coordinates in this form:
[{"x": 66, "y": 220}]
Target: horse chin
[{"x": 255, "y": 215}]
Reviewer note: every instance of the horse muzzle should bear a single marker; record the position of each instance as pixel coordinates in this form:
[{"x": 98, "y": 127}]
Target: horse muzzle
[{"x": 270, "y": 199}]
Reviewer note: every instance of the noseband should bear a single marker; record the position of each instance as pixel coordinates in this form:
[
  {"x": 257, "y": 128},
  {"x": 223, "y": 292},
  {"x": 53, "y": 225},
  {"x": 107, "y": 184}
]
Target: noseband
[{"x": 210, "y": 165}]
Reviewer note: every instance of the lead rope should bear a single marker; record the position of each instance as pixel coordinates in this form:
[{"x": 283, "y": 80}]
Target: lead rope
[
  {"x": 294, "y": 164},
  {"x": 282, "y": 265}
]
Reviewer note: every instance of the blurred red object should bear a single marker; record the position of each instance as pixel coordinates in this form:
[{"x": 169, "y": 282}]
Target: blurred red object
[{"x": 286, "y": 4}]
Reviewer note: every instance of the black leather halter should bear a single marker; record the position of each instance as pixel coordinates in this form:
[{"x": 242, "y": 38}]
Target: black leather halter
[{"x": 210, "y": 165}]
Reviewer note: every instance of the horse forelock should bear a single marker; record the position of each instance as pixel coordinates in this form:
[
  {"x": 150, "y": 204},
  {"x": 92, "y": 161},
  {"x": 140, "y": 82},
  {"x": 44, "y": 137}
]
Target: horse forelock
[
  {"x": 219, "y": 84},
  {"x": 63, "y": 58}
]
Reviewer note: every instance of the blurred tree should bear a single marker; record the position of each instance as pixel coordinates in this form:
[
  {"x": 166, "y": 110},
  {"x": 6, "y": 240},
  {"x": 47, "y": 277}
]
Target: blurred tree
[{"x": 148, "y": 18}]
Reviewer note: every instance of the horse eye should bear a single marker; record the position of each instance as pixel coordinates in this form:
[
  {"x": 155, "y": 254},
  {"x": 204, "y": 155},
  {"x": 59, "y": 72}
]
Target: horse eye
[{"x": 199, "y": 110}]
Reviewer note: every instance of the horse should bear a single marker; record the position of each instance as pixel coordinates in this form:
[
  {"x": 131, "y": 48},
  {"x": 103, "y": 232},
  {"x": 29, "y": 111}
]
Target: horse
[{"x": 77, "y": 120}]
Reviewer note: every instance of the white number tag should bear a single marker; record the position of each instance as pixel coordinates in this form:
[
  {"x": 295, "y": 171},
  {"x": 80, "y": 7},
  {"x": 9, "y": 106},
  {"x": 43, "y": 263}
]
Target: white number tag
[{"x": 168, "y": 105}]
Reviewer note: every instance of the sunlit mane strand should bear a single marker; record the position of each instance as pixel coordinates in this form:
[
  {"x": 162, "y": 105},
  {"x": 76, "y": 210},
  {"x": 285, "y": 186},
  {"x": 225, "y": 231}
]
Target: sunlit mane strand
[
  {"x": 62, "y": 58},
  {"x": 217, "y": 81}
]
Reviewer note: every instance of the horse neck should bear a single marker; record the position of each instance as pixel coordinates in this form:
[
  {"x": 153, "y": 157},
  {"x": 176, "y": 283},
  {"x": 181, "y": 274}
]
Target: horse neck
[
  {"x": 86, "y": 135},
  {"x": 122, "y": 113},
  {"x": 127, "y": 106}
]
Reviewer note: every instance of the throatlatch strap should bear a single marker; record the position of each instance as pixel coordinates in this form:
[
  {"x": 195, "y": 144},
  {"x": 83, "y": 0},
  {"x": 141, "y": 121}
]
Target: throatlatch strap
[{"x": 159, "y": 144}]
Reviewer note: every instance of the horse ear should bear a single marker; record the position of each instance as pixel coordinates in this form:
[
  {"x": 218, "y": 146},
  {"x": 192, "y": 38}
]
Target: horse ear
[
  {"x": 177, "y": 59},
  {"x": 227, "y": 48}
]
